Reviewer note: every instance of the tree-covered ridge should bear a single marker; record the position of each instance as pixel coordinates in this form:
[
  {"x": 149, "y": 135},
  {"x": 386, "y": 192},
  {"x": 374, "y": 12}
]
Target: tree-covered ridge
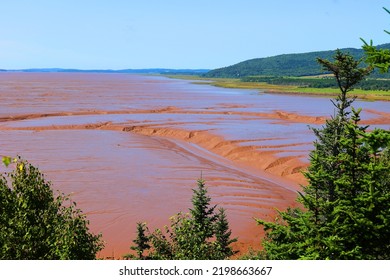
[{"x": 301, "y": 64}]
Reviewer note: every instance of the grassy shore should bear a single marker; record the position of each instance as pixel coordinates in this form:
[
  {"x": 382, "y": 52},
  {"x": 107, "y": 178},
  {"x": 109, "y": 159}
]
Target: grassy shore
[{"x": 269, "y": 88}]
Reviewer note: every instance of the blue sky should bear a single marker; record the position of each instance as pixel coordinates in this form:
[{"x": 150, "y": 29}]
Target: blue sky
[{"x": 121, "y": 34}]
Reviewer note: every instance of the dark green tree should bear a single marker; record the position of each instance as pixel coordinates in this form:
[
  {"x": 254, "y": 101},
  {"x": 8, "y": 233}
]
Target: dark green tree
[
  {"x": 200, "y": 234},
  {"x": 341, "y": 218},
  {"x": 202, "y": 213},
  {"x": 35, "y": 224},
  {"x": 223, "y": 240},
  {"x": 141, "y": 243},
  {"x": 360, "y": 214},
  {"x": 348, "y": 74},
  {"x": 378, "y": 58}
]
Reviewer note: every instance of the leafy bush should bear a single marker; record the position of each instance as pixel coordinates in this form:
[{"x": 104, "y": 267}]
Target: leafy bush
[{"x": 35, "y": 224}]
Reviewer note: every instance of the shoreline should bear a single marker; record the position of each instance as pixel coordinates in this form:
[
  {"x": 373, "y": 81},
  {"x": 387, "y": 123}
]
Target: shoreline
[{"x": 369, "y": 95}]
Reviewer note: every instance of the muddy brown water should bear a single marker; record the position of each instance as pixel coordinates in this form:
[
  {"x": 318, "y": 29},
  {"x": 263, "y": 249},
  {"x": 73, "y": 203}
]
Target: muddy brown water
[{"x": 130, "y": 148}]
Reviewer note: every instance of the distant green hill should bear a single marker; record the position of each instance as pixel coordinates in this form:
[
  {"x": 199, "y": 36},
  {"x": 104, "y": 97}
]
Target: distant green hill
[{"x": 301, "y": 64}]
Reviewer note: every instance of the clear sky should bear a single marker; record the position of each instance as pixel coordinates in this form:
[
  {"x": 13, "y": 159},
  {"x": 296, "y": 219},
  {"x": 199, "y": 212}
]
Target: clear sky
[{"x": 121, "y": 34}]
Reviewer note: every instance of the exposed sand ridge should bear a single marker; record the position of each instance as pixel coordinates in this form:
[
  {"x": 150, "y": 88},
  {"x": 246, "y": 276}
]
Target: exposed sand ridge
[
  {"x": 254, "y": 156},
  {"x": 251, "y": 156}
]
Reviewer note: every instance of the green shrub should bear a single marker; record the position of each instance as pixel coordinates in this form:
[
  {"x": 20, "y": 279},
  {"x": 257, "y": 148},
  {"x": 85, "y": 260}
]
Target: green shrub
[{"x": 35, "y": 224}]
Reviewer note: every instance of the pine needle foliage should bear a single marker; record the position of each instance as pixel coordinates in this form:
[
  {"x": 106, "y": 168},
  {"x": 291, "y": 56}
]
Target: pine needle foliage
[
  {"x": 141, "y": 243},
  {"x": 200, "y": 234},
  {"x": 377, "y": 57},
  {"x": 345, "y": 211}
]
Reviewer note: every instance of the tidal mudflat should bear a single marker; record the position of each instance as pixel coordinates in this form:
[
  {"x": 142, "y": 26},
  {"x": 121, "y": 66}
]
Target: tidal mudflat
[{"x": 130, "y": 148}]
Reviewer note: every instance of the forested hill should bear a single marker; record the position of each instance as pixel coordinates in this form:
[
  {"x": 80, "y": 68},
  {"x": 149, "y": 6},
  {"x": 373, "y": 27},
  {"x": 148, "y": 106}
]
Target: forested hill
[{"x": 301, "y": 64}]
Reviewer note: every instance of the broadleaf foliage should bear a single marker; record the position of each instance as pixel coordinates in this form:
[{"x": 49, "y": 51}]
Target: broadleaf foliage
[{"x": 35, "y": 224}]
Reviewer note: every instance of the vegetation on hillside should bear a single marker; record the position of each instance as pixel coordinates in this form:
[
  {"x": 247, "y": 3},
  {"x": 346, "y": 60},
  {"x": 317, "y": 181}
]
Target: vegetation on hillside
[
  {"x": 299, "y": 73},
  {"x": 294, "y": 65}
]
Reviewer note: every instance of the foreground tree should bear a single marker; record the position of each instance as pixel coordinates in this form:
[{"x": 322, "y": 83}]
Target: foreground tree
[
  {"x": 378, "y": 58},
  {"x": 35, "y": 224},
  {"x": 200, "y": 234},
  {"x": 345, "y": 214},
  {"x": 223, "y": 239},
  {"x": 141, "y": 243},
  {"x": 324, "y": 167}
]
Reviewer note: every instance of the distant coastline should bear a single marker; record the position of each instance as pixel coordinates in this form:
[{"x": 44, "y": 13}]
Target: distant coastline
[
  {"x": 130, "y": 71},
  {"x": 282, "y": 89}
]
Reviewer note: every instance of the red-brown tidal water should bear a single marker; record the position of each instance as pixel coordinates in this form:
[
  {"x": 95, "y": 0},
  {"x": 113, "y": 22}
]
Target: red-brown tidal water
[{"x": 130, "y": 148}]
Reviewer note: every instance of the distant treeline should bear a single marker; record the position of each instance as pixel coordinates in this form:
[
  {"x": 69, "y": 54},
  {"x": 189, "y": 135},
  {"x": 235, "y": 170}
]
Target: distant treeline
[{"x": 315, "y": 82}]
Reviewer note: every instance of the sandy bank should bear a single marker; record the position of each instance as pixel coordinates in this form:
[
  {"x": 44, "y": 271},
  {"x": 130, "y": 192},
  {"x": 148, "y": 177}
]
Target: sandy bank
[{"x": 257, "y": 157}]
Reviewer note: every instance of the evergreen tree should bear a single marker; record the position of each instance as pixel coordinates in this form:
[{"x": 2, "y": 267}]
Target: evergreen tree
[
  {"x": 378, "y": 58},
  {"x": 200, "y": 234},
  {"x": 362, "y": 209},
  {"x": 202, "y": 214},
  {"x": 222, "y": 249},
  {"x": 141, "y": 243},
  {"x": 324, "y": 168},
  {"x": 342, "y": 219},
  {"x": 348, "y": 74}
]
